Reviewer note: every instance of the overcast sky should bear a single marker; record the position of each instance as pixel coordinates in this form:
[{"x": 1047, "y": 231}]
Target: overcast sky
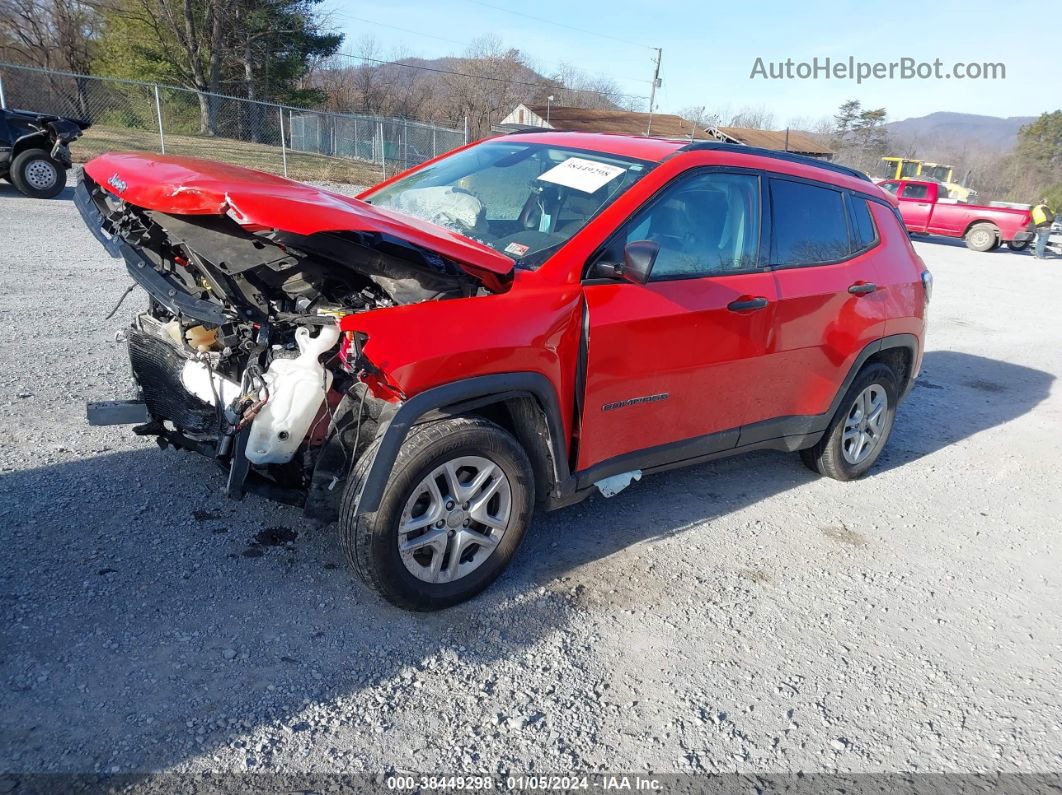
[{"x": 710, "y": 49}]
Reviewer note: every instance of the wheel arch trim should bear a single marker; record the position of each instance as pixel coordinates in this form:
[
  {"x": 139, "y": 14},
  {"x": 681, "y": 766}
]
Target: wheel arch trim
[
  {"x": 908, "y": 341},
  {"x": 483, "y": 390}
]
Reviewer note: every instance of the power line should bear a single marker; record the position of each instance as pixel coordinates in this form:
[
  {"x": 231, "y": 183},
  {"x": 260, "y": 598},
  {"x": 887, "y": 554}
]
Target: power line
[
  {"x": 559, "y": 24},
  {"x": 466, "y": 44},
  {"x": 436, "y": 70},
  {"x": 407, "y": 30}
]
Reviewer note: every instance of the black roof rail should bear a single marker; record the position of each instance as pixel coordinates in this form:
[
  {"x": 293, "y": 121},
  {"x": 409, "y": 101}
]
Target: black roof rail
[
  {"x": 532, "y": 129},
  {"x": 792, "y": 157}
]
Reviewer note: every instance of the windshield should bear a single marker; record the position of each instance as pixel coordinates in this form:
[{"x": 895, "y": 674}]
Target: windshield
[
  {"x": 521, "y": 199},
  {"x": 936, "y": 172}
]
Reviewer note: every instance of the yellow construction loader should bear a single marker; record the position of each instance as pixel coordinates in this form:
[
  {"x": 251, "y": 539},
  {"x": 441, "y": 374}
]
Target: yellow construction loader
[{"x": 907, "y": 168}]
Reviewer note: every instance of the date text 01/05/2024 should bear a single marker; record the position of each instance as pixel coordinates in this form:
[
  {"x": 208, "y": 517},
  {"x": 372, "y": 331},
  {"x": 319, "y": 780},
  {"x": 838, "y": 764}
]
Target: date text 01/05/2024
[{"x": 552, "y": 783}]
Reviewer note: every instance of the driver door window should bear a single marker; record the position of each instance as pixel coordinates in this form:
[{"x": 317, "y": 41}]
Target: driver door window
[
  {"x": 705, "y": 225},
  {"x": 915, "y": 191}
]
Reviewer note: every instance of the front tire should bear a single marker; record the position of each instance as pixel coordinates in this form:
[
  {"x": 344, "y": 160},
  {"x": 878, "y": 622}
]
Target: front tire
[
  {"x": 858, "y": 432},
  {"x": 1013, "y": 246},
  {"x": 982, "y": 237},
  {"x": 37, "y": 174},
  {"x": 453, "y": 513}
]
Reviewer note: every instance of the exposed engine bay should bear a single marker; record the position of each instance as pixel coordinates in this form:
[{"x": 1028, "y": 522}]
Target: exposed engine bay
[{"x": 240, "y": 356}]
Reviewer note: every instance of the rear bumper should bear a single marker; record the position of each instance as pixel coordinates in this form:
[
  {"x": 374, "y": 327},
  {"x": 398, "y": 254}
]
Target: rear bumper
[{"x": 1024, "y": 236}]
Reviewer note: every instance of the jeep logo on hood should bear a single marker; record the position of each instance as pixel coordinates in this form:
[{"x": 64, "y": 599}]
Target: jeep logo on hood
[{"x": 117, "y": 183}]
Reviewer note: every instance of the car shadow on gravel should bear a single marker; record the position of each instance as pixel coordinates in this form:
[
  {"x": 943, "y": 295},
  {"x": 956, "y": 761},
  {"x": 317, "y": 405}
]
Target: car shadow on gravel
[
  {"x": 147, "y": 621},
  {"x": 957, "y": 395},
  {"x": 9, "y": 191}
]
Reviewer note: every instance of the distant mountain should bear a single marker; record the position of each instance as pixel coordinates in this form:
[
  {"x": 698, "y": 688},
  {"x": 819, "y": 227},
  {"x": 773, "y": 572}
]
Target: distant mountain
[{"x": 959, "y": 130}]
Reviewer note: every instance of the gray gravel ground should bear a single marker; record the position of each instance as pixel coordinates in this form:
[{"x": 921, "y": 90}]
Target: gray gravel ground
[{"x": 739, "y": 616}]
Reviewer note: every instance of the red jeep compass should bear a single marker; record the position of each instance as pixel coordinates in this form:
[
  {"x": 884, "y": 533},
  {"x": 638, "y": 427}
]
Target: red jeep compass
[{"x": 520, "y": 322}]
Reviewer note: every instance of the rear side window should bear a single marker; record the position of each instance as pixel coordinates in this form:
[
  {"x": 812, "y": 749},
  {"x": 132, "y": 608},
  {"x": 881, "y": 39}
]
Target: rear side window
[
  {"x": 809, "y": 224},
  {"x": 863, "y": 230}
]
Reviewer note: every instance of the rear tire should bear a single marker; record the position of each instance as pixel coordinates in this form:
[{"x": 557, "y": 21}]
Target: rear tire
[
  {"x": 1017, "y": 246},
  {"x": 859, "y": 430},
  {"x": 982, "y": 237},
  {"x": 37, "y": 174},
  {"x": 431, "y": 489}
]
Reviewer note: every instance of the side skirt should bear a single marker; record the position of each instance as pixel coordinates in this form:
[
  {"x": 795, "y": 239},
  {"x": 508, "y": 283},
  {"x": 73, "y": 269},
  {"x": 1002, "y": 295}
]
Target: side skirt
[{"x": 788, "y": 434}]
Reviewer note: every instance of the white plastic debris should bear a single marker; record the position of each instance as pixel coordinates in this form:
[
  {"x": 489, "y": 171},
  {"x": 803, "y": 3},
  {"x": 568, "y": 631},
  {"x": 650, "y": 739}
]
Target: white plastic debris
[
  {"x": 297, "y": 388},
  {"x": 196, "y": 379},
  {"x": 610, "y": 487}
]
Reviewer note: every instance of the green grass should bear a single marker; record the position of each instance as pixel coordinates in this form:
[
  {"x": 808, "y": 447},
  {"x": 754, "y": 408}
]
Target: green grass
[{"x": 305, "y": 167}]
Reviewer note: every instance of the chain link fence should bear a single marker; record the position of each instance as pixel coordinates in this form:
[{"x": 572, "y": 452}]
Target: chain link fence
[{"x": 298, "y": 142}]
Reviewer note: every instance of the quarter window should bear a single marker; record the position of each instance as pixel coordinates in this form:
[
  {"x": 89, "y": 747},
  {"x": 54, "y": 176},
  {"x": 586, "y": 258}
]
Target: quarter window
[
  {"x": 809, "y": 224},
  {"x": 863, "y": 229},
  {"x": 706, "y": 225}
]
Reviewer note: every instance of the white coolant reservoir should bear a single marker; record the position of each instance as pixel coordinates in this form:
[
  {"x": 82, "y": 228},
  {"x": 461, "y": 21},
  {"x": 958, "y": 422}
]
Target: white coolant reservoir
[{"x": 297, "y": 387}]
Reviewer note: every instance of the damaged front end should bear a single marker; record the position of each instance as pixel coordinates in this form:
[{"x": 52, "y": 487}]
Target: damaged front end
[{"x": 239, "y": 355}]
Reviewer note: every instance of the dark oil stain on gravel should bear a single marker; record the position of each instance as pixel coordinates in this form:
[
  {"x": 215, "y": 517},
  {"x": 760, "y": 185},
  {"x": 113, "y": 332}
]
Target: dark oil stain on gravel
[
  {"x": 205, "y": 516},
  {"x": 270, "y": 537},
  {"x": 275, "y": 537},
  {"x": 986, "y": 386},
  {"x": 844, "y": 536},
  {"x": 921, "y": 382}
]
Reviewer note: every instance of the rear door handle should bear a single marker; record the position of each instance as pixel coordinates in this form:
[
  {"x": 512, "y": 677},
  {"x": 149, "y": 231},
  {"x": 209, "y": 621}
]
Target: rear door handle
[
  {"x": 862, "y": 288},
  {"x": 747, "y": 304}
]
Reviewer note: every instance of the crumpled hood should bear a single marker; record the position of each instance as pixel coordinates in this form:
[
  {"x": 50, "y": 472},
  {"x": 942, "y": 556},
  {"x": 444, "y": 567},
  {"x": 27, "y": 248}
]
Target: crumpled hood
[{"x": 254, "y": 199}]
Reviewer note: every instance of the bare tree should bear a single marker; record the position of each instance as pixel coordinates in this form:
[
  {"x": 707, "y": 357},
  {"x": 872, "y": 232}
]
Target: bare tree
[
  {"x": 753, "y": 118},
  {"x": 487, "y": 83},
  {"x": 579, "y": 89},
  {"x": 51, "y": 34}
]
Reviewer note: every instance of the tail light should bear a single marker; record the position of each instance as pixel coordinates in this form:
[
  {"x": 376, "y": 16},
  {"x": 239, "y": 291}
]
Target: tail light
[{"x": 927, "y": 284}]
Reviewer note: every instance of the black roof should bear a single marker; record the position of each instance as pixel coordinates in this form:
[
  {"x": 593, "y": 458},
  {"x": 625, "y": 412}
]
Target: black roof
[
  {"x": 741, "y": 149},
  {"x": 791, "y": 157}
]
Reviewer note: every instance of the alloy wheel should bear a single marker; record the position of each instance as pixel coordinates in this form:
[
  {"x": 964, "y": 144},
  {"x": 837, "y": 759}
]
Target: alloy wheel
[
  {"x": 864, "y": 427},
  {"x": 454, "y": 519}
]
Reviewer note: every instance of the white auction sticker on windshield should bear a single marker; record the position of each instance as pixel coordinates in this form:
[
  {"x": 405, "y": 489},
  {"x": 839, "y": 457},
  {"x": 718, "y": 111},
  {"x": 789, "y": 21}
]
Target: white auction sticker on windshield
[{"x": 581, "y": 174}]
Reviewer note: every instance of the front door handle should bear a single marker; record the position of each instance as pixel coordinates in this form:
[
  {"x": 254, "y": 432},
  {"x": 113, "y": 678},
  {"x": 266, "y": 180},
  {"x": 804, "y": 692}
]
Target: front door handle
[
  {"x": 862, "y": 288},
  {"x": 747, "y": 304}
]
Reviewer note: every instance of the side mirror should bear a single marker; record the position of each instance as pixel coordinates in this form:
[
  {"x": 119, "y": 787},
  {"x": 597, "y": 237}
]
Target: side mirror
[{"x": 639, "y": 256}]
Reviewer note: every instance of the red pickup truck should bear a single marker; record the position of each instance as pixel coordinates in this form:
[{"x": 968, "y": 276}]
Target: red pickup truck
[{"x": 984, "y": 228}]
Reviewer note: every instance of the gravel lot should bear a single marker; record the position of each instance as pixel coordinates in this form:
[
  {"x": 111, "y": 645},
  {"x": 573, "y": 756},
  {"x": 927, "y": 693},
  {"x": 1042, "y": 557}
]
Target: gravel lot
[{"x": 737, "y": 616}]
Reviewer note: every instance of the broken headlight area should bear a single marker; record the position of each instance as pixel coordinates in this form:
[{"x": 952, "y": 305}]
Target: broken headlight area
[{"x": 240, "y": 355}]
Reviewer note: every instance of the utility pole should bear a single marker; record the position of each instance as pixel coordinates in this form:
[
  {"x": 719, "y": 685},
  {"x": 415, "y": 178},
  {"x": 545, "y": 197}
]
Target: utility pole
[{"x": 652, "y": 91}]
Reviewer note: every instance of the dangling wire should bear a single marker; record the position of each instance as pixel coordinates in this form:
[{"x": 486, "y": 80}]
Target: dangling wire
[{"x": 121, "y": 300}]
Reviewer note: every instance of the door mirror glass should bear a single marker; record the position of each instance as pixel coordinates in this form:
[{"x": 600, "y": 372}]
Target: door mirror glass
[{"x": 639, "y": 256}]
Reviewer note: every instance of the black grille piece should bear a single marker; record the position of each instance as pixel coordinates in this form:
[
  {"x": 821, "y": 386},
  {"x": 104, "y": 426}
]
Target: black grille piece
[{"x": 157, "y": 369}]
